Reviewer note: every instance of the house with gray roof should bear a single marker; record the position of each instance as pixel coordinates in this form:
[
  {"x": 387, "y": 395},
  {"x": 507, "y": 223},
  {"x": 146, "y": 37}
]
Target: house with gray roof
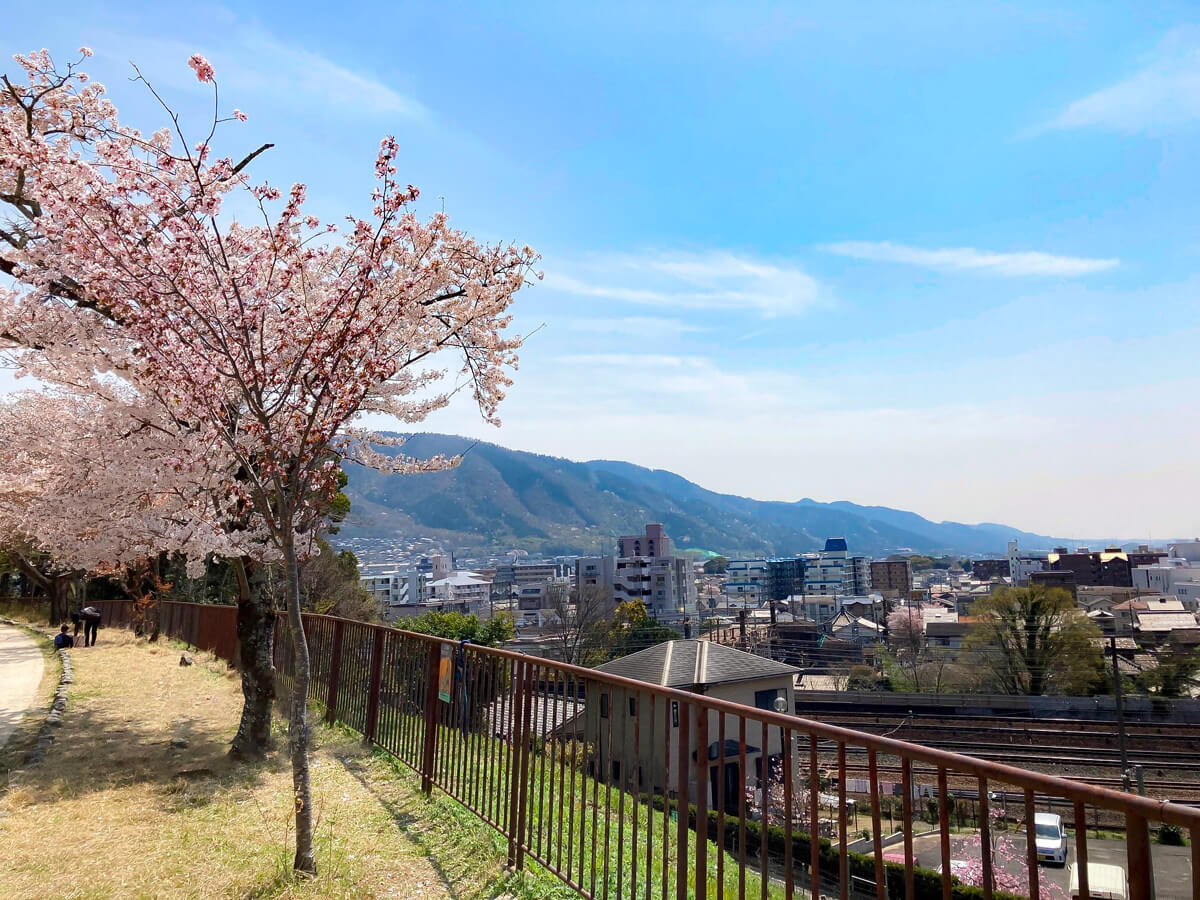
[{"x": 636, "y": 735}]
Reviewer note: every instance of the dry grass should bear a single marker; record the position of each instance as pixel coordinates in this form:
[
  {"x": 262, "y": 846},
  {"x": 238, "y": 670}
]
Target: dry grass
[{"x": 116, "y": 811}]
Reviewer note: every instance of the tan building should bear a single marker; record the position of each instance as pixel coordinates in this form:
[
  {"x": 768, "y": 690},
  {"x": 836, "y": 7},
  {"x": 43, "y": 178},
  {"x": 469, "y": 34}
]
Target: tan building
[
  {"x": 892, "y": 578},
  {"x": 636, "y": 739}
]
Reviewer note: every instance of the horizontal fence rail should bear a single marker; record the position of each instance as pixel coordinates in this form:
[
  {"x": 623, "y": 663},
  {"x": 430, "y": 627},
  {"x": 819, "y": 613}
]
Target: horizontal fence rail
[{"x": 627, "y": 789}]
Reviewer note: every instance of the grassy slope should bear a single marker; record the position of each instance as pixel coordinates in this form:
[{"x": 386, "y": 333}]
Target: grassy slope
[{"x": 115, "y": 811}]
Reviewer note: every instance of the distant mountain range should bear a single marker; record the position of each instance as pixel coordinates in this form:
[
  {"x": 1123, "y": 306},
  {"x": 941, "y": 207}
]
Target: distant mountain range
[{"x": 498, "y": 500}]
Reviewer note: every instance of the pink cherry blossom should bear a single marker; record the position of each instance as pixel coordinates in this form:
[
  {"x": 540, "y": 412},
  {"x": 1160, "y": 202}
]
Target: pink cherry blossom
[
  {"x": 239, "y": 115},
  {"x": 209, "y": 369},
  {"x": 202, "y": 67}
]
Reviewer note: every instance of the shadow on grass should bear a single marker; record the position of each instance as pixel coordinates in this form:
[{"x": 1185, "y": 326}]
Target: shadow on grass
[{"x": 431, "y": 833}]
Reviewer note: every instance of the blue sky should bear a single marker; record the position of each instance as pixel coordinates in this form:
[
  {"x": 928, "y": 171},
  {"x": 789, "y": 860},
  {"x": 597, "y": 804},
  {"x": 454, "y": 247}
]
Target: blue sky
[{"x": 933, "y": 256}]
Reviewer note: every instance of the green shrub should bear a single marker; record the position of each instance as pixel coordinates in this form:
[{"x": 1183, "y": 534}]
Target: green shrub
[
  {"x": 927, "y": 884},
  {"x": 1171, "y": 835}
]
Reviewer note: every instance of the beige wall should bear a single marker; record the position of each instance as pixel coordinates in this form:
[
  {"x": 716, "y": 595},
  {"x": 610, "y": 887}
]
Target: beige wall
[{"x": 647, "y": 742}]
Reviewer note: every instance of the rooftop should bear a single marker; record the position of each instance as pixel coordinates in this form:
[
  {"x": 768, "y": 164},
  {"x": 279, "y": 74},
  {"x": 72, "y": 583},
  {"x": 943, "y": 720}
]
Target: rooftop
[{"x": 694, "y": 663}]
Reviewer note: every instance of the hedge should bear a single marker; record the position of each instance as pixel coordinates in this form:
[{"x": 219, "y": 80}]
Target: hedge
[{"x": 927, "y": 884}]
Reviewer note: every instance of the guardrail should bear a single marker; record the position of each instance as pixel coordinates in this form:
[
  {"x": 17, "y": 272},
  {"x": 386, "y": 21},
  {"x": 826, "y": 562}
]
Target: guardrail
[{"x": 628, "y": 789}]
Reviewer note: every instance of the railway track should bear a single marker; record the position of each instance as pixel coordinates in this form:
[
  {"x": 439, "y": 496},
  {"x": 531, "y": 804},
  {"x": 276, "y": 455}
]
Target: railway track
[{"x": 1190, "y": 734}]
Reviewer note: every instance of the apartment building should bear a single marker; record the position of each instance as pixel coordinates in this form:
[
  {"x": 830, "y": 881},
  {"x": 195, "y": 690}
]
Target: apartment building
[
  {"x": 835, "y": 571},
  {"x": 1111, "y": 567},
  {"x": 665, "y": 584},
  {"x": 892, "y": 578}
]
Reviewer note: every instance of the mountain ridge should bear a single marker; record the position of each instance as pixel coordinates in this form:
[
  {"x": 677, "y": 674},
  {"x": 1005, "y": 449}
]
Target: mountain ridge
[{"x": 499, "y": 499}]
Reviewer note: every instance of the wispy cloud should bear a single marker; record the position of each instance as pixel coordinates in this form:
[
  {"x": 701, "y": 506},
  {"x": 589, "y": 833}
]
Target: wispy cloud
[
  {"x": 716, "y": 280},
  {"x": 1164, "y": 94},
  {"x": 968, "y": 259},
  {"x": 253, "y": 63},
  {"x": 629, "y": 326}
]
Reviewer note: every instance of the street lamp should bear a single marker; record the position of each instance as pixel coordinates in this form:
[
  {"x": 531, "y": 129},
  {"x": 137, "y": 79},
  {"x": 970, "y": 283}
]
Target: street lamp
[{"x": 781, "y": 708}]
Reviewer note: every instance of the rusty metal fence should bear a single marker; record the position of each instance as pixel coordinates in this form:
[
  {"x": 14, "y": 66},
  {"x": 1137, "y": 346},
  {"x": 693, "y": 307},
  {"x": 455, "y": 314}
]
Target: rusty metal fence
[
  {"x": 628, "y": 789},
  {"x": 203, "y": 625}
]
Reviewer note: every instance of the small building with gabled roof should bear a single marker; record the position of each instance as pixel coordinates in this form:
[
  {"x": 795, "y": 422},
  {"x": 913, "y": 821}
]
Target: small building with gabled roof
[{"x": 636, "y": 735}]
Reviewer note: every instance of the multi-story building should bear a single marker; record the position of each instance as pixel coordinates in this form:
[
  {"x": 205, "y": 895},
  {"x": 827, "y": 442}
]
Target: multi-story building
[
  {"x": 1021, "y": 567},
  {"x": 858, "y": 583},
  {"x": 392, "y": 587},
  {"x": 1173, "y": 577},
  {"x": 835, "y": 571},
  {"x": 651, "y": 544},
  {"x": 529, "y": 573},
  {"x": 1111, "y": 567},
  {"x": 987, "y": 569},
  {"x": 665, "y": 584},
  {"x": 892, "y": 578},
  {"x": 466, "y": 589},
  {"x": 785, "y": 577},
  {"x": 759, "y": 580},
  {"x": 746, "y": 581}
]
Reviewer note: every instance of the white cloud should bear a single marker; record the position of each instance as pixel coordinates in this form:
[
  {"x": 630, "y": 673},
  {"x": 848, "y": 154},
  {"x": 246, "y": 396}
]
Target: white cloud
[
  {"x": 716, "y": 280},
  {"x": 251, "y": 62},
  {"x": 634, "y": 326},
  {"x": 967, "y": 259},
  {"x": 1164, "y": 94}
]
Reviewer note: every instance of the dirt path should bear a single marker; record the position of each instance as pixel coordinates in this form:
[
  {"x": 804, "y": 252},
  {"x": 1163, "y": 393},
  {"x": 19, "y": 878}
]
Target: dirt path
[{"x": 21, "y": 666}]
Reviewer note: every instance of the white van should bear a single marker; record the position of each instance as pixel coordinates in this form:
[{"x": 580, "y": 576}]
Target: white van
[
  {"x": 1105, "y": 882},
  {"x": 1050, "y": 837}
]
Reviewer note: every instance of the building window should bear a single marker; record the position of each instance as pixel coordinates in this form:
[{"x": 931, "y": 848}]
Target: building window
[
  {"x": 766, "y": 699},
  {"x": 675, "y": 713},
  {"x": 604, "y": 706},
  {"x": 633, "y": 706}
]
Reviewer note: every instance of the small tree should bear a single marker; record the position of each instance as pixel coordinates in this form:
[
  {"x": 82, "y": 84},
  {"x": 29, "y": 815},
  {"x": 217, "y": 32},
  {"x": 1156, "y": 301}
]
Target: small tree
[
  {"x": 715, "y": 565},
  {"x": 577, "y": 624},
  {"x": 259, "y": 342}
]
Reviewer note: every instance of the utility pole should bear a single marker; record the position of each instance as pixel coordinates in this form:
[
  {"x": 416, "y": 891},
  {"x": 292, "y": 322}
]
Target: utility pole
[{"x": 1122, "y": 738}]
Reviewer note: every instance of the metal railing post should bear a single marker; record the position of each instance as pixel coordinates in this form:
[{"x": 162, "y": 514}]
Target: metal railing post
[
  {"x": 431, "y": 716},
  {"x": 373, "y": 683},
  {"x": 1137, "y": 845},
  {"x": 335, "y": 671},
  {"x": 516, "y": 781},
  {"x": 522, "y": 783}
]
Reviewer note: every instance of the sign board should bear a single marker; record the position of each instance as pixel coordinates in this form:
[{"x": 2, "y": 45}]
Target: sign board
[{"x": 445, "y": 672}]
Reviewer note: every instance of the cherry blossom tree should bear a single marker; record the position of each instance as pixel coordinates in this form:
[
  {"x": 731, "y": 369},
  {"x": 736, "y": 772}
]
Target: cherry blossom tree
[{"x": 262, "y": 340}]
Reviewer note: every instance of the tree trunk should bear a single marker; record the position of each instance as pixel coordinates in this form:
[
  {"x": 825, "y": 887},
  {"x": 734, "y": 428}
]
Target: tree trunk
[
  {"x": 56, "y": 589},
  {"x": 256, "y": 655},
  {"x": 305, "y": 860}
]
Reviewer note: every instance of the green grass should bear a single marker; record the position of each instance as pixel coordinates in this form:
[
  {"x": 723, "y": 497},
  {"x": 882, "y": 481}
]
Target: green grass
[{"x": 590, "y": 823}]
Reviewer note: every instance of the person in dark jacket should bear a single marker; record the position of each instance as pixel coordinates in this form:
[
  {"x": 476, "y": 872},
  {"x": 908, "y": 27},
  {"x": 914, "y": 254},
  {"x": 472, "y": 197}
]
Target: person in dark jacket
[
  {"x": 62, "y": 640},
  {"x": 89, "y": 617}
]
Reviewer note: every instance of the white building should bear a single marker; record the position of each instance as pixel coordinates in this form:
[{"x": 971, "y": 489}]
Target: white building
[
  {"x": 1173, "y": 576},
  {"x": 392, "y": 587},
  {"x": 746, "y": 581},
  {"x": 835, "y": 571},
  {"x": 467, "y": 588},
  {"x": 1189, "y": 550},
  {"x": 1021, "y": 567}
]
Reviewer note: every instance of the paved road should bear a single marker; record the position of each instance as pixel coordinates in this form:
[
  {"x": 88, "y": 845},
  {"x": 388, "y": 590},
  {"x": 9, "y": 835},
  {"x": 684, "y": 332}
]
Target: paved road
[
  {"x": 1172, "y": 865},
  {"x": 21, "y": 665}
]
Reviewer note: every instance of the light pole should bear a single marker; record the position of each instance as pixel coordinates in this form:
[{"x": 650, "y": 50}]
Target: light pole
[{"x": 785, "y": 756}]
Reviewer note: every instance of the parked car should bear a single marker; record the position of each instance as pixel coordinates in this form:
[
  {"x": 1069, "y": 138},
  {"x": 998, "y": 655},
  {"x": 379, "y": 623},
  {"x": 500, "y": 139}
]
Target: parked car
[{"x": 1051, "y": 839}]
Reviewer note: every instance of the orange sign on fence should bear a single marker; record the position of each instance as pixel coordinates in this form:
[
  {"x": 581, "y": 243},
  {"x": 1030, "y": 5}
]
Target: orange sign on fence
[{"x": 445, "y": 672}]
